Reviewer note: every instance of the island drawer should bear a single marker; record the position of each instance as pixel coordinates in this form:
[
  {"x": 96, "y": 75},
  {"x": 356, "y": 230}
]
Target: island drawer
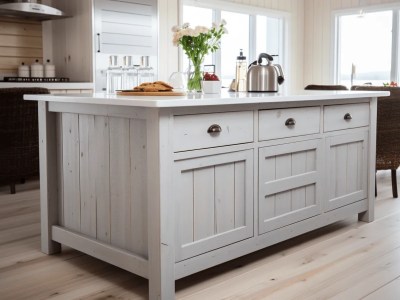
[
  {"x": 345, "y": 116},
  {"x": 288, "y": 122},
  {"x": 212, "y": 130}
]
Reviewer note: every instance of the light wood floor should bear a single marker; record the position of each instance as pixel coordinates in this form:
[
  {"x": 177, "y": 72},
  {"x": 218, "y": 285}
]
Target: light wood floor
[{"x": 346, "y": 260}]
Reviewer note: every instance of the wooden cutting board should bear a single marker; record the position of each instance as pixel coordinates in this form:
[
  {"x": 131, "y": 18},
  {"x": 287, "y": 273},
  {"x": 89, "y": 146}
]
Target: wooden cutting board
[{"x": 132, "y": 93}]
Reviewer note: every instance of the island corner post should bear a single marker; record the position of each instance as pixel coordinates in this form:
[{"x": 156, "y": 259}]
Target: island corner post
[{"x": 149, "y": 189}]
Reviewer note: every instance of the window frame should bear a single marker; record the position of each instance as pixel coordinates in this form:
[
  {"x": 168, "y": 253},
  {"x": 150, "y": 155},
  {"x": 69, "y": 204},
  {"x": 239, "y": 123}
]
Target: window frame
[
  {"x": 217, "y": 6},
  {"x": 395, "y": 56}
]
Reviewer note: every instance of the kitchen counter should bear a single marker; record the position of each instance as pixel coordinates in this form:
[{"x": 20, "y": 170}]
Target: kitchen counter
[
  {"x": 51, "y": 85},
  {"x": 225, "y": 98},
  {"x": 165, "y": 187}
]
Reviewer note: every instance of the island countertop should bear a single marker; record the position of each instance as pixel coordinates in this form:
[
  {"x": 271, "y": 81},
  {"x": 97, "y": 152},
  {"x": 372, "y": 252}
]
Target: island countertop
[{"x": 225, "y": 98}]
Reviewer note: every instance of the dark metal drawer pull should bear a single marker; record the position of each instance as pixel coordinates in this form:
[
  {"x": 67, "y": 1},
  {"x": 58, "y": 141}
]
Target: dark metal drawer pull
[
  {"x": 290, "y": 122},
  {"x": 214, "y": 129},
  {"x": 348, "y": 117}
]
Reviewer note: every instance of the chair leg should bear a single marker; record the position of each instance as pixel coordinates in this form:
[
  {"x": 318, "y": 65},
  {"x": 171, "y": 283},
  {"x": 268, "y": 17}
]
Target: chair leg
[
  {"x": 22, "y": 181},
  {"x": 376, "y": 189},
  {"x": 12, "y": 188},
  {"x": 394, "y": 183}
]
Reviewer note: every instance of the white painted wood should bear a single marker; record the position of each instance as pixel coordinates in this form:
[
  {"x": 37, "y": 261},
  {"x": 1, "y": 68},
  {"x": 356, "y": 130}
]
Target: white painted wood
[
  {"x": 286, "y": 192},
  {"x": 334, "y": 116},
  {"x": 125, "y": 27},
  {"x": 100, "y": 165},
  {"x": 138, "y": 163},
  {"x": 49, "y": 201},
  {"x": 60, "y": 172},
  {"x": 272, "y": 122},
  {"x": 225, "y": 197},
  {"x": 209, "y": 259},
  {"x": 120, "y": 183},
  {"x": 103, "y": 251},
  {"x": 213, "y": 229},
  {"x": 160, "y": 206},
  {"x": 87, "y": 178},
  {"x": 190, "y": 132},
  {"x": 292, "y": 166},
  {"x": 368, "y": 216},
  {"x": 72, "y": 202},
  {"x": 240, "y": 194},
  {"x": 204, "y": 204},
  {"x": 339, "y": 191}
]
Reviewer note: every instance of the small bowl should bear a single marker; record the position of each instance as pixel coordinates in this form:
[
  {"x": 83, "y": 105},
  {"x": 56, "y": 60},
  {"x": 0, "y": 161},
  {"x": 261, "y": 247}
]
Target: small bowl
[{"x": 211, "y": 86}]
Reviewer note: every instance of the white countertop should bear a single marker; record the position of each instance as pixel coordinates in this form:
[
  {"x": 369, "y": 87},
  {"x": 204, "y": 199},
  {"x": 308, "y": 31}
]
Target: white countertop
[
  {"x": 225, "y": 98},
  {"x": 51, "y": 85}
]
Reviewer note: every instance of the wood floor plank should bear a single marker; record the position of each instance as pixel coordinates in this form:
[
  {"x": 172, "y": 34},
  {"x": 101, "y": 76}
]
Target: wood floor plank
[{"x": 390, "y": 291}]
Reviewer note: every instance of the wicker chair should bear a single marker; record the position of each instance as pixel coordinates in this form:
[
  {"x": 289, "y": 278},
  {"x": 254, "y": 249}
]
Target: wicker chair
[
  {"x": 19, "y": 142},
  {"x": 388, "y": 131},
  {"x": 326, "y": 87}
]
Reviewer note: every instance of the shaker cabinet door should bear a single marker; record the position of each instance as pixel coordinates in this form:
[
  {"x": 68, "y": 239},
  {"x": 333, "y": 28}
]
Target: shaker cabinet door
[
  {"x": 289, "y": 184},
  {"x": 347, "y": 169},
  {"x": 214, "y": 202}
]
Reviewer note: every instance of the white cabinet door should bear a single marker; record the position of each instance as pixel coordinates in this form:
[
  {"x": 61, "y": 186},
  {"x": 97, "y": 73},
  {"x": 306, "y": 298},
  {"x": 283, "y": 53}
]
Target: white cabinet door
[
  {"x": 347, "y": 169},
  {"x": 126, "y": 27},
  {"x": 214, "y": 202},
  {"x": 289, "y": 183}
]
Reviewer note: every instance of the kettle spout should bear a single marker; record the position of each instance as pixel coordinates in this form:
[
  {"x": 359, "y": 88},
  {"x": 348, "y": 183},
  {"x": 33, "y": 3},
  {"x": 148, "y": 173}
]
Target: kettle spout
[{"x": 281, "y": 77}]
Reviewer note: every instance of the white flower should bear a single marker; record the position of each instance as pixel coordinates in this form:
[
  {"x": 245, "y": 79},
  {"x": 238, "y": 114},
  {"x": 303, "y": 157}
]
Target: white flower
[
  {"x": 201, "y": 29},
  {"x": 185, "y": 25},
  {"x": 176, "y": 28},
  {"x": 223, "y": 22},
  {"x": 214, "y": 25}
]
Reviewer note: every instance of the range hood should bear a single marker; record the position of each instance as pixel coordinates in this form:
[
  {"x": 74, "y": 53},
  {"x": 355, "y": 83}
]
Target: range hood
[{"x": 30, "y": 9}]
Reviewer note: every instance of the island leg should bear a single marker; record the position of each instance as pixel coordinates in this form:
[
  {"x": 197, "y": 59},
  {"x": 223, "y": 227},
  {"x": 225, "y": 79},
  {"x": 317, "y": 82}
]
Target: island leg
[
  {"x": 48, "y": 177},
  {"x": 368, "y": 216},
  {"x": 160, "y": 207}
]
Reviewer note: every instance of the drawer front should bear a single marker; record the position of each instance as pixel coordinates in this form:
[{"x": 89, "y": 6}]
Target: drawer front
[
  {"x": 212, "y": 130},
  {"x": 339, "y": 117},
  {"x": 282, "y": 123}
]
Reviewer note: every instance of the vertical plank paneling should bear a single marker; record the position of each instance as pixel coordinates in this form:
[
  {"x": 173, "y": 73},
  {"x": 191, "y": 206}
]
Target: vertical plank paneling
[
  {"x": 72, "y": 204},
  {"x": 360, "y": 165},
  {"x": 120, "y": 188},
  {"x": 224, "y": 197},
  {"x": 331, "y": 153},
  {"x": 185, "y": 208},
  {"x": 240, "y": 194},
  {"x": 311, "y": 162},
  {"x": 267, "y": 205},
  {"x": 138, "y": 193},
  {"x": 283, "y": 170},
  {"x": 299, "y": 161},
  {"x": 100, "y": 162},
  {"x": 352, "y": 168},
  {"x": 341, "y": 169},
  {"x": 204, "y": 215},
  {"x": 87, "y": 179},
  {"x": 60, "y": 173}
]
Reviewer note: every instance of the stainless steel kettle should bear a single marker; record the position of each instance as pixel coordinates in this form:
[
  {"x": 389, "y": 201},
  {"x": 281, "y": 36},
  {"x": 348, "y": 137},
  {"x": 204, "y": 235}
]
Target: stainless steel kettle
[{"x": 264, "y": 78}]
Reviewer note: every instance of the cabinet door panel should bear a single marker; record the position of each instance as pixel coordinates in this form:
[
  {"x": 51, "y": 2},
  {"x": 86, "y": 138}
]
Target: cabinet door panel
[
  {"x": 289, "y": 184},
  {"x": 346, "y": 169},
  {"x": 214, "y": 196}
]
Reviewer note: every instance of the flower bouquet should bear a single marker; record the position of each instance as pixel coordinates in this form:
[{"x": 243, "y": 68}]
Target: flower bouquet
[{"x": 197, "y": 43}]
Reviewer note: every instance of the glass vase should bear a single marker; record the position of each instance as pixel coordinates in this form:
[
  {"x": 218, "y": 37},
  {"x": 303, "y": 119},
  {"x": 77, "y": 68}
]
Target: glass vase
[{"x": 195, "y": 77}]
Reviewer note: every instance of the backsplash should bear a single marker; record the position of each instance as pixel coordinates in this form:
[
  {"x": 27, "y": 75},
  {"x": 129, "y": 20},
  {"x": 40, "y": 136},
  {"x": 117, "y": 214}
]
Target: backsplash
[{"x": 20, "y": 41}]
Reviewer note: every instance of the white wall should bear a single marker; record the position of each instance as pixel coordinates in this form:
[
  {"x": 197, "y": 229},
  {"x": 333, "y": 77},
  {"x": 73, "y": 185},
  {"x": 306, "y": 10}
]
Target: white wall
[
  {"x": 318, "y": 40},
  {"x": 168, "y": 54}
]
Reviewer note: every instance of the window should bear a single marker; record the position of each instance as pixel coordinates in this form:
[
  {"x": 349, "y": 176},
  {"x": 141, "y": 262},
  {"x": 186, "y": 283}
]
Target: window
[
  {"x": 365, "y": 48},
  {"x": 251, "y": 30}
]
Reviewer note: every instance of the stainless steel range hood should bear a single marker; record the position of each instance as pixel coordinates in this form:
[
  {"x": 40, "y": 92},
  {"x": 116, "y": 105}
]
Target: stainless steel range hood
[{"x": 30, "y": 9}]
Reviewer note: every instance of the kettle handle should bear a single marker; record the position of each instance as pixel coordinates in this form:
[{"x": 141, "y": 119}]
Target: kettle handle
[
  {"x": 268, "y": 57},
  {"x": 281, "y": 78}
]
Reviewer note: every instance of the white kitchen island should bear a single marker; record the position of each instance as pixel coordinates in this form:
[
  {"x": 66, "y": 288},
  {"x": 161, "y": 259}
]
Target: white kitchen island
[{"x": 168, "y": 186}]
